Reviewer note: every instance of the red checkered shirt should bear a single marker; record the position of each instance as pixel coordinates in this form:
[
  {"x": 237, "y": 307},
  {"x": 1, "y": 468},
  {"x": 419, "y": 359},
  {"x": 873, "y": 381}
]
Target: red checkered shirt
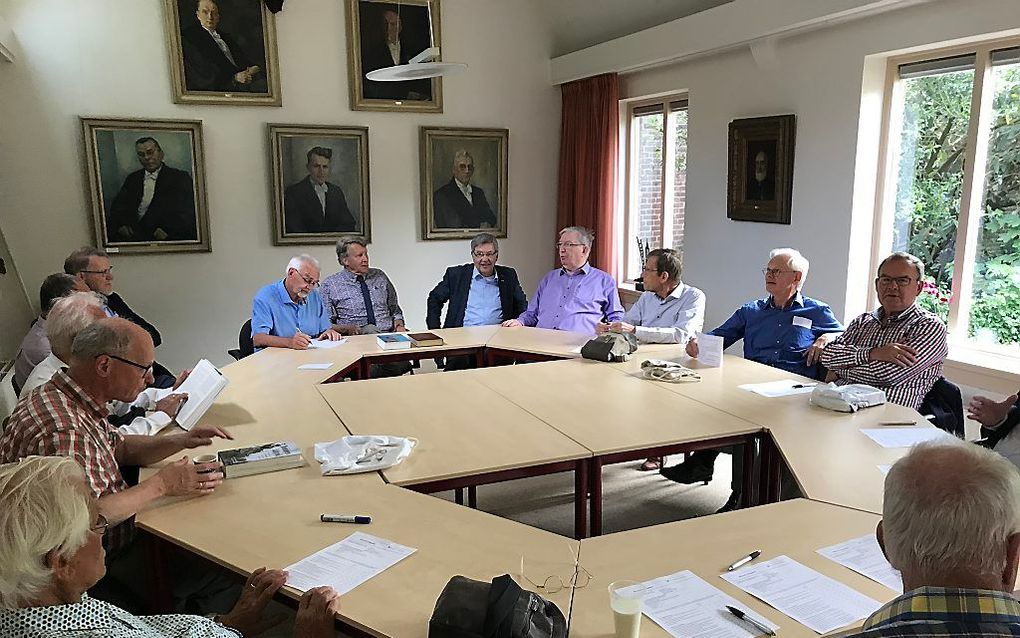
[
  {"x": 59, "y": 418},
  {"x": 847, "y": 355}
]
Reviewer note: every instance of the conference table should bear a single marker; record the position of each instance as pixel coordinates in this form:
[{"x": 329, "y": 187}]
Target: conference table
[{"x": 495, "y": 423}]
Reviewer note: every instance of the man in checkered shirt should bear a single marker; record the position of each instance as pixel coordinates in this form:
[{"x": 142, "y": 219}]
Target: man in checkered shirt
[{"x": 899, "y": 347}]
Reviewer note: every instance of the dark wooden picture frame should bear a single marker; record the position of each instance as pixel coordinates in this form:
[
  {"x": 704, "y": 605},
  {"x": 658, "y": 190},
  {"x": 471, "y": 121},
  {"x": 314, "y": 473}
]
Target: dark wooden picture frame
[
  {"x": 299, "y": 215},
  {"x": 118, "y": 153},
  {"x": 760, "y": 176}
]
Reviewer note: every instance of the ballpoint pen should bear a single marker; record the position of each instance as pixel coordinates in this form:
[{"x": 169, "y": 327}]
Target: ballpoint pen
[
  {"x": 745, "y": 560},
  {"x": 751, "y": 621}
]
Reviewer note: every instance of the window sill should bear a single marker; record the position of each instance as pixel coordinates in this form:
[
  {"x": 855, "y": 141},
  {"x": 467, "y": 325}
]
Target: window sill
[
  {"x": 978, "y": 368},
  {"x": 628, "y": 293}
]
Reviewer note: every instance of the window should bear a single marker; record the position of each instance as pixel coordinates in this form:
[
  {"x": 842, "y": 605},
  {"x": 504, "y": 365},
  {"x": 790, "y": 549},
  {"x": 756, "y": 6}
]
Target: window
[
  {"x": 655, "y": 156},
  {"x": 954, "y": 192}
]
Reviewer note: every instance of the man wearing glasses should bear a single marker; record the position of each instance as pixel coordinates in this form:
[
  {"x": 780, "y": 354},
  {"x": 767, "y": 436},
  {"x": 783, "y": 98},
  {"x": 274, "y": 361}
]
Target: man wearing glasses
[
  {"x": 899, "y": 347},
  {"x": 576, "y": 296},
  {"x": 289, "y": 313},
  {"x": 480, "y": 294}
]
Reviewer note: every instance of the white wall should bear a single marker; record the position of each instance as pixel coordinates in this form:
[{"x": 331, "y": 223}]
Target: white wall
[
  {"x": 819, "y": 78},
  {"x": 75, "y": 59}
]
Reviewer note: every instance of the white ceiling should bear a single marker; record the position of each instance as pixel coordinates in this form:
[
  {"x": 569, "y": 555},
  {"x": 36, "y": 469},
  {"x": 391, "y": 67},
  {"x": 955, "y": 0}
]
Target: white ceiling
[{"x": 577, "y": 24}]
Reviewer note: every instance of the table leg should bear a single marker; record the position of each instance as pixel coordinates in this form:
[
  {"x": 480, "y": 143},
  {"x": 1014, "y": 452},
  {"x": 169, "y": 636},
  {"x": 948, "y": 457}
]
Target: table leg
[
  {"x": 364, "y": 369},
  {"x": 775, "y": 474},
  {"x": 458, "y": 496},
  {"x": 581, "y": 499},
  {"x": 750, "y": 495},
  {"x": 595, "y": 480},
  {"x": 480, "y": 361},
  {"x": 473, "y": 497}
]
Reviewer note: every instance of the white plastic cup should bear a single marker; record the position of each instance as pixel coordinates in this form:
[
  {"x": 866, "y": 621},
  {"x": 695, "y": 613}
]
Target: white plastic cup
[{"x": 626, "y": 608}]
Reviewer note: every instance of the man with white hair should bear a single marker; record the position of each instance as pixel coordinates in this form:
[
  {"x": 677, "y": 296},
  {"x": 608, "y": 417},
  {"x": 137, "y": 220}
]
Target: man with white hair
[
  {"x": 576, "y": 296},
  {"x": 899, "y": 347},
  {"x": 951, "y": 526},
  {"x": 289, "y": 313},
  {"x": 785, "y": 330}
]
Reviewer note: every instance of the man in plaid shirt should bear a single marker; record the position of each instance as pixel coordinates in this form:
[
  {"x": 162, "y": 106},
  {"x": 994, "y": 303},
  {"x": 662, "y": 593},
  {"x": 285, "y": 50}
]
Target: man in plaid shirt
[
  {"x": 899, "y": 347},
  {"x": 951, "y": 526}
]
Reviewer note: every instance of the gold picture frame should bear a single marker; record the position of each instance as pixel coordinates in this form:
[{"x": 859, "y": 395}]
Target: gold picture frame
[
  {"x": 760, "y": 184},
  {"x": 118, "y": 155},
  {"x": 238, "y": 65},
  {"x": 446, "y": 212},
  {"x": 335, "y": 157},
  {"x": 367, "y": 50}
]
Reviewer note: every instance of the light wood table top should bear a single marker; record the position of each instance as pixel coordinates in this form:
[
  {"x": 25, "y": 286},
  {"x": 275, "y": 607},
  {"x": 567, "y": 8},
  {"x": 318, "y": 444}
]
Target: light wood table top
[
  {"x": 472, "y": 337},
  {"x": 606, "y": 411},
  {"x": 277, "y": 517},
  {"x": 463, "y": 427},
  {"x": 540, "y": 341},
  {"x": 707, "y": 545}
]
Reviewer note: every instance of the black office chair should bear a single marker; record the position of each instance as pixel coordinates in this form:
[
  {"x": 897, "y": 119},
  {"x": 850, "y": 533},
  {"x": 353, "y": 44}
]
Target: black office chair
[
  {"x": 245, "y": 346},
  {"x": 943, "y": 406}
]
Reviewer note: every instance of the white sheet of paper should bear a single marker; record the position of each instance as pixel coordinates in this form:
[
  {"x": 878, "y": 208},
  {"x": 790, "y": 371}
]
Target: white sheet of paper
[
  {"x": 864, "y": 556},
  {"x": 810, "y": 598},
  {"x": 203, "y": 385},
  {"x": 710, "y": 349},
  {"x": 688, "y": 607},
  {"x": 325, "y": 344},
  {"x": 345, "y": 565},
  {"x": 904, "y": 437},
  {"x": 315, "y": 366},
  {"x": 782, "y": 388}
]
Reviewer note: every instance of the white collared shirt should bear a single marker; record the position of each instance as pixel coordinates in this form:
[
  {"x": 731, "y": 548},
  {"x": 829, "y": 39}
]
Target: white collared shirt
[
  {"x": 320, "y": 192},
  {"x": 148, "y": 190},
  {"x": 674, "y": 319},
  {"x": 465, "y": 190},
  {"x": 222, "y": 45},
  {"x": 394, "y": 48}
]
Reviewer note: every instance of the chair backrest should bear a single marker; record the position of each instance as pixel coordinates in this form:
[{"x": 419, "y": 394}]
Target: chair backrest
[
  {"x": 943, "y": 405},
  {"x": 245, "y": 347},
  {"x": 8, "y": 396}
]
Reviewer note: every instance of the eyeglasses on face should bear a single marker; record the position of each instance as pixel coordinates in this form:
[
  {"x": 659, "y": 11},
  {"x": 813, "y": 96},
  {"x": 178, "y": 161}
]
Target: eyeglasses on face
[
  {"x": 481, "y": 255},
  {"x": 314, "y": 283},
  {"x": 146, "y": 369},
  {"x": 901, "y": 282},
  {"x": 774, "y": 272},
  {"x": 100, "y": 526},
  {"x": 108, "y": 271},
  {"x": 568, "y": 244}
]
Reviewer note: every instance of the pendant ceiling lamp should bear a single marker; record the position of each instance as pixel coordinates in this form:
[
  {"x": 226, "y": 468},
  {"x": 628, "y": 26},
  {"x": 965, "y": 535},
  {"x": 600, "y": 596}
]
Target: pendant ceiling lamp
[{"x": 422, "y": 66}]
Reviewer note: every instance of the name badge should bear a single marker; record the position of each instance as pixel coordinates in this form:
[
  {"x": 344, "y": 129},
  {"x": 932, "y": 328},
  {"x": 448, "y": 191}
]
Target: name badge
[{"x": 803, "y": 322}]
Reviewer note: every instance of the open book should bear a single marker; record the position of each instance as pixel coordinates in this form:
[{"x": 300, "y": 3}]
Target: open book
[{"x": 203, "y": 385}]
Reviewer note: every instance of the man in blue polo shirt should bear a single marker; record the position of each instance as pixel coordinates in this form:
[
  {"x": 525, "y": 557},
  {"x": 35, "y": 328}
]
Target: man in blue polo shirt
[
  {"x": 785, "y": 330},
  {"x": 288, "y": 313}
]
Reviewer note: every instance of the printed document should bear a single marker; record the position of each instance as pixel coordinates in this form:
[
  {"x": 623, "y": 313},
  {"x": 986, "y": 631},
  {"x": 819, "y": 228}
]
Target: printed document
[
  {"x": 904, "y": 437},
  {"x": 688, "y": 607},
  {"x": 347, "y": 564},
  {"x": 783, "y": 388},
  {"x": 810, "y": 598},
  {"x": 325, "y": 344},
  {"x": 864, "y": 556},
  {"x": 710, "y": 349},
  {"x": 203, "y": 385}
]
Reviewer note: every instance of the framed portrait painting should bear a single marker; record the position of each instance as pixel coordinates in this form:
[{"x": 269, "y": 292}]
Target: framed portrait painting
[
  {"x": 146, "y": 183},
  {"x": 760, "y": 184},
  {"x": 463, "y": 182},
  {"x": 382, "y": 34},
  {"x": 320, "y": 183},
  {"x": 222, "y": 52}
]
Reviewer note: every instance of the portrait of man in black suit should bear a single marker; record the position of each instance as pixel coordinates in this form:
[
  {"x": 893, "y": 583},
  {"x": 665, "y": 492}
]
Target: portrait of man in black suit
[
  {"x": 459, "y": 203},
  {"x": 314, "y": 204},
  {"x": 154, "y": 203},
  {"x": 385, "y": 43},
  {"x": 218, "y": 59}
]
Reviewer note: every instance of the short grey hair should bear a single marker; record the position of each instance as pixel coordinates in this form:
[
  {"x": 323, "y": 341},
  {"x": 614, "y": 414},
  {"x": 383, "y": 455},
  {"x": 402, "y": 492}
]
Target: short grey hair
[
  {"x": 484, "y": 238},
  {"x": 79, "y": 259},
  {"x": 949, "y": 507},
  {"x": 101, "y": 337},
  {"x": 344, "y": 243},
  {"x": 586, "y": 236},
  {"x": 46, "y": 509},
  {"x": 301, "y": 260},
  {"x": 907, "y": 257},
  {"x": 69, "y": 316},
  {"x": 797, "y": 261}
]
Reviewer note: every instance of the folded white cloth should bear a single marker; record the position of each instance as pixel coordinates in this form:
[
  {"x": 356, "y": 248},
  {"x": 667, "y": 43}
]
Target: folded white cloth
[
  {"x": 846, "y": 398},
  {"x": 354, "y": 454}
]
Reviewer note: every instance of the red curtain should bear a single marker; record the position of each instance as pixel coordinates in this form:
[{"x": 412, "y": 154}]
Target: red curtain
[{"x": 588, "y": 149}]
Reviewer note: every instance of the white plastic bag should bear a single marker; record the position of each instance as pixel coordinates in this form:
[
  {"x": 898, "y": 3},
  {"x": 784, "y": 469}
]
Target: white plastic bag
[
  {"x": 354, "y": 454},
  {"x": 846, "y": 398}
]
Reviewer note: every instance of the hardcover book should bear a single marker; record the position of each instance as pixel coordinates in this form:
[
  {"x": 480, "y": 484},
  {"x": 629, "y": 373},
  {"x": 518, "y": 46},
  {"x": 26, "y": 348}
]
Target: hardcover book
[
  {"x": 395, "y": 341},
  {"x": 425, "y": 339}
]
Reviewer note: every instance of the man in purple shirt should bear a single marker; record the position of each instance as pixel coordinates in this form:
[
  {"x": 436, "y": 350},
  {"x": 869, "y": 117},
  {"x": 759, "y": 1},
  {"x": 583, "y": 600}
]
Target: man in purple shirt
[{"x": 576, "y": 296}]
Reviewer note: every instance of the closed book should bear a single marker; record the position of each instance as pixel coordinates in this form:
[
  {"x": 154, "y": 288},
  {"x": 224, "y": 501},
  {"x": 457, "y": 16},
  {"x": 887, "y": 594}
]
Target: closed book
[
  {"x": 425, "y": 339},
  {"x": 394, "y": 341},
  {"x": 258, "y": 459}
]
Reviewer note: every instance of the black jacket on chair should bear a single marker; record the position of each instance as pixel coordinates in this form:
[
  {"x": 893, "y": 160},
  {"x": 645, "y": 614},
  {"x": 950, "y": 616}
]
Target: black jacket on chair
[
  {"x": 944, "y": 402},
  {"x": 456, "y": 285}
]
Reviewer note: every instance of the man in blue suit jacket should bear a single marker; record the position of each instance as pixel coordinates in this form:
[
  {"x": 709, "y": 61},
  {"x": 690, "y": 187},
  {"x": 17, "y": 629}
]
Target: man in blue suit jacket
[{"x": 480, "y": 293}]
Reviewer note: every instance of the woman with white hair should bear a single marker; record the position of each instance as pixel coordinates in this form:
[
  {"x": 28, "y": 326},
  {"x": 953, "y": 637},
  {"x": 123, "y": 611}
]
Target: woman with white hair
[{"x": 51, "y": 553}]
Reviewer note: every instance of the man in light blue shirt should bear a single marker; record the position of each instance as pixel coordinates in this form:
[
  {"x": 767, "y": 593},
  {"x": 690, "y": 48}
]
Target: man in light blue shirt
[
  {"x": 669, "y": 311},
  {"x": 483, "y": 306},
  {"x": 289, "y": 313}
]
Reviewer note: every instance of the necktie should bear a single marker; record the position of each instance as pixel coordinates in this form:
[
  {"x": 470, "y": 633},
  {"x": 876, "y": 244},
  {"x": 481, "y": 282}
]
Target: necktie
[{"x": 369, "y": 311}]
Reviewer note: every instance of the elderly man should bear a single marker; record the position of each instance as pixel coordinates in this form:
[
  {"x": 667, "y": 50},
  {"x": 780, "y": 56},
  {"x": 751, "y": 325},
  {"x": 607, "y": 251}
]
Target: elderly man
[
  {"x": 362, "y": 300},
  {"x": 480, "y": 294},
  {"x": 459, "y": 203},
  {"x": 213, "y": 59},
  {"x": 951, "y": 526},
  {"x": 315, "y": 204},
  {"x": 68, "y": 317},
  {"x": 53, "y": 552},
  {"x": 155, "y": 203},
  {"x": 899, "y": 347},
  {"x": 289, "y": 313},
  {"x": 35, "y": 347},
  {"x": 576, "y": 296},
  {"x": 785, "y": 330}
]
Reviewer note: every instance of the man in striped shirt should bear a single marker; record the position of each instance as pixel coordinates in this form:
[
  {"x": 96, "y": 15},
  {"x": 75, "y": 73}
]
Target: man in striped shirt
[{"x": 899, "y": 347}]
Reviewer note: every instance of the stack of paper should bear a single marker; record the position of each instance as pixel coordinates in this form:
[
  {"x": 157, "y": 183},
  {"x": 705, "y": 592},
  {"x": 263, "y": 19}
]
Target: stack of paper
[
  {"x": 782, "y": 388},
  {"x": 864, "y": 556},
  {"x": 325, "y": 344},
  {"x": 347, "y": 564}
]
